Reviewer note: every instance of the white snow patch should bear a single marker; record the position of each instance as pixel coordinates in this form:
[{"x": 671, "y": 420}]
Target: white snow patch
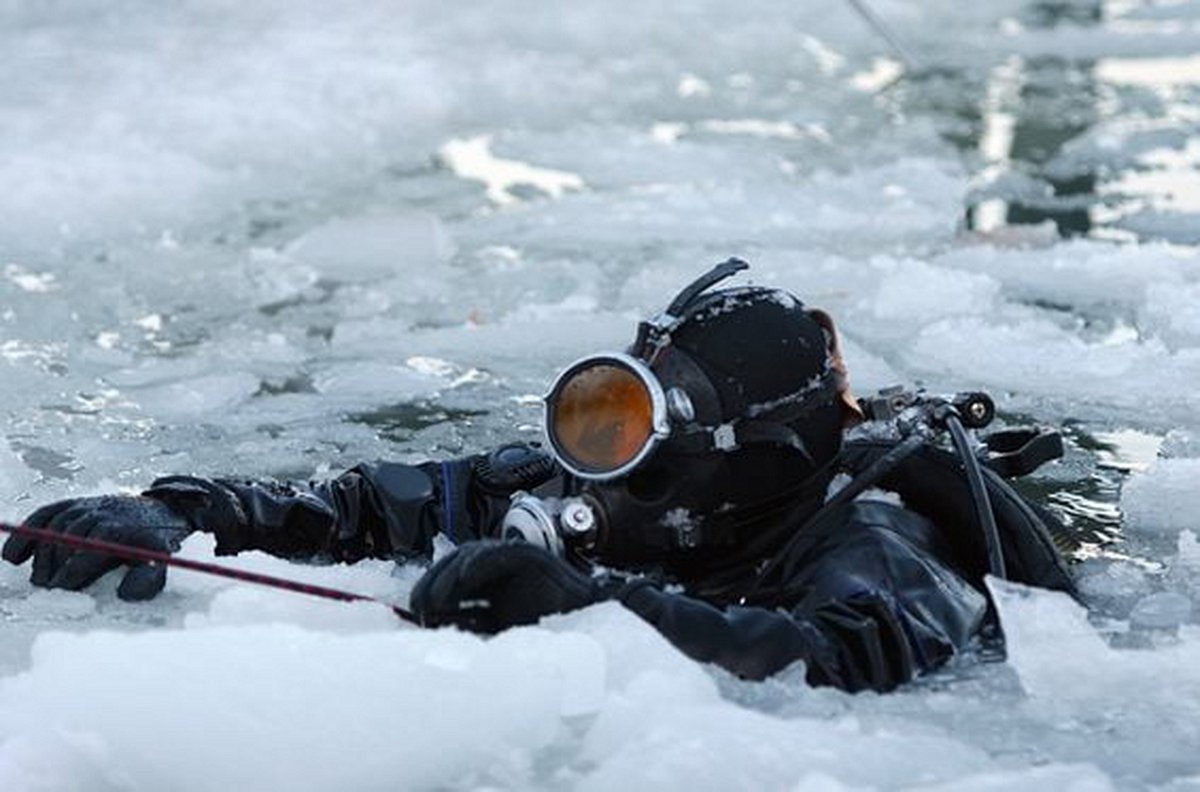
[
  {"x": 33, "y": 282},
  {"x": 473, "y": 159}
]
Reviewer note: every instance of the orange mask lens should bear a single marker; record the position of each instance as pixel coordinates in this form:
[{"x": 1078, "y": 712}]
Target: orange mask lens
[{"x": 602, "y": 417}]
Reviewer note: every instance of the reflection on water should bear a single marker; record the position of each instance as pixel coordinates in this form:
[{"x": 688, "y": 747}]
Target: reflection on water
[
  {"x": 1084, "y": 491},
  {"x": 1030, "y": 109},
  {"x": 1161, "y": 75},
  {"x": 1034, "y": 131},
  {"x": 1165, "y": 180}
]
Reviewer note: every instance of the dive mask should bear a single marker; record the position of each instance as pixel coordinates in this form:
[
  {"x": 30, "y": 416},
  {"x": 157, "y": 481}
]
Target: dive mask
[{"x": 605, "y": 414}]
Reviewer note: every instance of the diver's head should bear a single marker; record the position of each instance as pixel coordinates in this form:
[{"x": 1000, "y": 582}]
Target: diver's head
[{"x": 726, "y": 410}]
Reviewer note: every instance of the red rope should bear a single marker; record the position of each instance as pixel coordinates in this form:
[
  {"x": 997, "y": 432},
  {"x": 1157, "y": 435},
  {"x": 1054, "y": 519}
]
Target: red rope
[{"x": 131, "y": 553}]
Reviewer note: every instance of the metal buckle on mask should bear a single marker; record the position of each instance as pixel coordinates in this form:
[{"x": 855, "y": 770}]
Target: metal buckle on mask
[
  {"x": 654, "y": 334},
  {"x": 763, "y": 423}
]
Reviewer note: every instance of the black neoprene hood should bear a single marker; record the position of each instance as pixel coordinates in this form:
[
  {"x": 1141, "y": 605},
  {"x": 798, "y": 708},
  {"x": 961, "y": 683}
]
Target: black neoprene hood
[
  {"x": 756, "y": 345},
  {"x": 766, "y": 422}
]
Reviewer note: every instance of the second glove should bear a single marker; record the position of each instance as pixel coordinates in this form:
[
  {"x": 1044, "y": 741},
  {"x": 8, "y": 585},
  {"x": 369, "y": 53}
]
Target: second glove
[{"x": 489, "y": 586}]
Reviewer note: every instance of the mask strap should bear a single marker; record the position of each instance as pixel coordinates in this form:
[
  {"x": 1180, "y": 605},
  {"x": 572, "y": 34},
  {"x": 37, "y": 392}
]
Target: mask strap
[
  {"x": 720, "y": 272},
  {"x": 737, "y": 434},
  {"x": 652, "y": 335},
  {"x": 764, "y": 424}
]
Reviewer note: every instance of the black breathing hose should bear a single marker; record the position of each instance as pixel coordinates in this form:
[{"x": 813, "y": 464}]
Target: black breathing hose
[
  {"x": 979, "y": 495},
  {"x": 868, "y": 478},
  {"x": 945, "y": 414}
]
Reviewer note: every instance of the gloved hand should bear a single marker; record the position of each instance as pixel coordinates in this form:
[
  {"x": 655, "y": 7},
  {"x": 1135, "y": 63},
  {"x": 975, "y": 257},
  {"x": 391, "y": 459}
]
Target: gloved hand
[
  {"x": 133, "y": 520},
  {"x": 489, "y": 586}
]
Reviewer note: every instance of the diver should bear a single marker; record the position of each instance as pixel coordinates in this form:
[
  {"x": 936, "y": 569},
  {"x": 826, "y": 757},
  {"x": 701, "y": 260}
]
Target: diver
[{"x": 717, "y": 479}]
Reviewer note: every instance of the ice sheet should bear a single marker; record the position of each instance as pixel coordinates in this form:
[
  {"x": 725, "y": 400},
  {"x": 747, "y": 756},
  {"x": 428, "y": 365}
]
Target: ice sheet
[{"x": 243, "y": 239}]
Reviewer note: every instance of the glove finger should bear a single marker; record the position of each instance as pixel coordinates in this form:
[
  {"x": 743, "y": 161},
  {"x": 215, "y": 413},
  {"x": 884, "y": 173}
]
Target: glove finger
[
  {"x": 73, "y": 522},
  {"x": 466, "y": 599},
  {"x": 488, "y": 586},
  {"x": 523, "y": 583},
  {"x": 441, "y": 594},
  {"x": 49, "y": 557},
  {"x": 82, "y": 569},
  {"x": 78, "y": 522},
  {"x": 43, "y": 564},
  {"x": 496, "y": 560},
  {"x": 18, "y": 549},
  {"x": 434, "y": 589},
  {"x": 142, "y": 582}
]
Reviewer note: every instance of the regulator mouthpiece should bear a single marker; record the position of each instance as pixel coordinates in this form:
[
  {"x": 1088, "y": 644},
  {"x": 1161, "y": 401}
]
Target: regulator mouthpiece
[{"x": 553, "y": 524}]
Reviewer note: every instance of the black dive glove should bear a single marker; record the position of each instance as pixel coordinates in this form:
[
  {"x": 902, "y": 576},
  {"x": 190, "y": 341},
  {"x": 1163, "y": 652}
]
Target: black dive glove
[
  {"x": 133, "y": 520},
  {"x": 489, "y": 586}
]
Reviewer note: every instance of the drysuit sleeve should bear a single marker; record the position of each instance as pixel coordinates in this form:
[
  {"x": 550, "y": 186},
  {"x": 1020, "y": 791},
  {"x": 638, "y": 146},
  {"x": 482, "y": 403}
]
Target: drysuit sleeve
[
  {"x": 376, "y": 509},
  {"x": 876, "y": 606}
]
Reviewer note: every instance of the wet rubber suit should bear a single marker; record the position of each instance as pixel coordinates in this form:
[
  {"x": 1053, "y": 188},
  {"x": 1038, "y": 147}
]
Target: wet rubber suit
[{"x": 870, "y": 595}]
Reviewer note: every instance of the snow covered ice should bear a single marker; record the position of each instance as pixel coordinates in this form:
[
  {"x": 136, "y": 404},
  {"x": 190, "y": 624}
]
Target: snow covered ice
[{"x": 279, "y": 239}]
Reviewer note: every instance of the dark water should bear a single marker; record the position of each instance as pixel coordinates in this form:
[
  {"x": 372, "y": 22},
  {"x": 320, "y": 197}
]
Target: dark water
[
  {"x": 1022, "y": 129},
  {"x": 1015, "y": 124}
]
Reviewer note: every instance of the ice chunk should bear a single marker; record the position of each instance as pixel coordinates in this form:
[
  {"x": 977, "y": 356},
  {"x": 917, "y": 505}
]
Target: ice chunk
[
  {"x": 1078, "y": 273},
  {"x": 915, "y": 290},
  {"x": 1164, "y": 610},
  {"x": 373, "y": 578},
  {"x": 664, "y": 723},
  {"x": 1062, "y": 777},
  {"x": 1180, "y": 443},
  {"x": 367, "y": 380},
  {"x": 1048, "y": 634},
  {"x": 1040, "y": 357},
  {"x": 275, "y": 277},
  {"x": 1183, "y": 571},
  {"x": 1112, "y": 584},
  {"x": 1173, "y": 311},
  {"x": 868, "y": 372},
  {"x": 49, "y": 604},
  {"x": 373, "y": 246},
  {"x": 33, "y": 282},
  {"x": 15, "y": 475},
  {"x": 1044, "y": 632},
  {"x": 156, "y": 706},
  {"x": 196, "y": 396},
  {"x": 243, "y": 605},
  {"x": 1165, "y": 499}
]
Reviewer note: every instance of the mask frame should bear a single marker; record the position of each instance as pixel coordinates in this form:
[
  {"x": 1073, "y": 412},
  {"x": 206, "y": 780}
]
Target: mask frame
[{"x": 660, "y": 420}]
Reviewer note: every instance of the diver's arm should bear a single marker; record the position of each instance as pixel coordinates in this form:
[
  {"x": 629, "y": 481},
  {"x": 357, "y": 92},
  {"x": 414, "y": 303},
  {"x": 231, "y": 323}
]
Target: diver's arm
[
  {"x": 878, "y": 610},
  {"x": 377, "y": 509},
  {"x": 753, "y": 643}
]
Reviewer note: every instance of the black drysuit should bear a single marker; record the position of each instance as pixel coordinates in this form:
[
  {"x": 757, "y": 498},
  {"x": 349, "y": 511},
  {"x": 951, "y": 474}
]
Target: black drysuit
[{"x": 871, "y": 595}]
